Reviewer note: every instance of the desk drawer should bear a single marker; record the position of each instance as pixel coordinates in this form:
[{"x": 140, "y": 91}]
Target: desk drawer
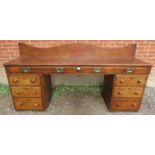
[
  {"x": 28, "y": 103},
  {"x": 125, "y": 105},
  {"x": 128, "y": 91},
  {"x": 26, "y": 91},
  {"x": 81, "y": 69},
  {"x": 24, "y": 79},
  {"x": 131, "y": 80}
]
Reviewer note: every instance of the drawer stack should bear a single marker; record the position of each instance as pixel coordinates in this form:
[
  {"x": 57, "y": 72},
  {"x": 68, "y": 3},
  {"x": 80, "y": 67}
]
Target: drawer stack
[
  {"x": 28, "y": 91},
  {"x": 126, "y": 92}
]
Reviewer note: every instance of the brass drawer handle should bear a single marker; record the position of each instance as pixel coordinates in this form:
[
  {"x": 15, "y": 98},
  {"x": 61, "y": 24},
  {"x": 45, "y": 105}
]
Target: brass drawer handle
[
  {"x": 130, "y": 70},
  {"x": 97, "y": 69},
  {"x": 26, "y": 69},
  {"x": 59, "y": 69}
]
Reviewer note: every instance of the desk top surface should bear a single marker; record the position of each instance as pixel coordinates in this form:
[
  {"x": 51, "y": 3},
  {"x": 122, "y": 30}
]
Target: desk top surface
[
  {"x": 83, "y": 61},
  {"x": 77, "y": 55}
]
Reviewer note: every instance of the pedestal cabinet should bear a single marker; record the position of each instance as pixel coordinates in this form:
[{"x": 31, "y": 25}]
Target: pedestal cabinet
[
  {"x": 125, "y": 92},
  {"x": 30, "y": 91}
]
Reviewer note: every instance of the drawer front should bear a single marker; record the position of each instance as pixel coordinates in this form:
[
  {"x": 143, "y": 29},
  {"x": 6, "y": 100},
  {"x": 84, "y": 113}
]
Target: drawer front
[
  {"x": 28, "y": 103},
  {"x": 73, "y": 70},
  {"x": 26, "y": 91},
  {"x": 80, "y": 69},
  {"x": 24, "y": 79},
  {"x": 125, "y": 70},
  {"x": 128, "y": 91},
  {"x": 125, "y": 105},
  {"x": 131, "y": 80}
]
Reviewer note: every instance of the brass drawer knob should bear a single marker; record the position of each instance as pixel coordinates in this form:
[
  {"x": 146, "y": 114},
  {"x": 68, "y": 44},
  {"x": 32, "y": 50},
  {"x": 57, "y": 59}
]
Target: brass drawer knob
[
  {"x": 34, "y": 92},
  {"x": 122, "y": 81},
  {"x": 136, "y": 93},
  {"x": 133, "y": 104},
  {"x": 118, "y": 104},
  {"x": 139, "y": 81},
  {"x": 15, "y": 80},
  {"x": 36, "y": 104},
  {"x": 120, "y": 93},
  {"x": 21, "y": 104},
  {"x": 33, "y": 80},
  {"x": 18, "y": 92}
]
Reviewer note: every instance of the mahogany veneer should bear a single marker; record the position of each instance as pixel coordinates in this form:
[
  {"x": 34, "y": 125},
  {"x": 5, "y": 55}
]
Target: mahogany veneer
[{"x": 29, "y": 75}]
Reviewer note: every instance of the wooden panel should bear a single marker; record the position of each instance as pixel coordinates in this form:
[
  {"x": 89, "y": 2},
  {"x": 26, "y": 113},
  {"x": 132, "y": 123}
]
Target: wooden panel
[
  {"x": 77, "y": 50},
  {"x": 131, "y": 80},
  {"x": 128, "y": 91},
  {"x": 125, "y": 104},
  {"x": 24, "y": 79},
  {"x": 28, "y": 103},
  {"x": 83, "y": 70},
  {"x": 108, "y": 88},
  {"x": 26, "y": 91},
  {"x": 46, "y": 89}
]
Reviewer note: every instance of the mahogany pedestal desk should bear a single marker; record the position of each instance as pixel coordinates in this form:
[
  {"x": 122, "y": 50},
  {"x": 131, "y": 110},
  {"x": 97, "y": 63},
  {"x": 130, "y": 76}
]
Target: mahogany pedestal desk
[{"x": 125, "y": 76}]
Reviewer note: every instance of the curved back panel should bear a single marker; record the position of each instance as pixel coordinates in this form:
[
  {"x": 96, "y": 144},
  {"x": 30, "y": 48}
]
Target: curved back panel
[{"x": 76, "y": 50}]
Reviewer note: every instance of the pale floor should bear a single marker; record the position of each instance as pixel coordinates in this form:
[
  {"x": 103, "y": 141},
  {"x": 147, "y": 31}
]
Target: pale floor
[{"x": 151, "y": 79}]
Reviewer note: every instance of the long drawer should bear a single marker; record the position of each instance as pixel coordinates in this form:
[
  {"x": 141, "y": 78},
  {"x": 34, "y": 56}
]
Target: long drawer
[
  {"x": 28, "y": 103},
  {"x": 79, "y": 69},
  {"x": 26, "y": 91},
  {"x": 128, "y": 91}
]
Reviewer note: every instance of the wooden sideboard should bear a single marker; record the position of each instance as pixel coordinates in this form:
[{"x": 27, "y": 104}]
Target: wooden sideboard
[{"x": 125, "y": 76}]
